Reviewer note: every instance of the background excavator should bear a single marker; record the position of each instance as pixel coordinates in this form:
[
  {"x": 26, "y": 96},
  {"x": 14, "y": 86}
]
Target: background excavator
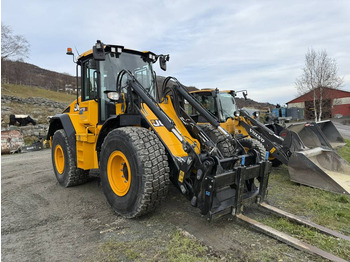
[
  {"x": 141, "y": 139},
  {"x": 306, "y": 148}
]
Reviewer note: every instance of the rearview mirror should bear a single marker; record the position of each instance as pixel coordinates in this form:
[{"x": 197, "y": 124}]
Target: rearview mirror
[
  {"x": 245, "y": 95},
  {"x": 162, "y": 61},
  {"x": 98, "y": 51}
]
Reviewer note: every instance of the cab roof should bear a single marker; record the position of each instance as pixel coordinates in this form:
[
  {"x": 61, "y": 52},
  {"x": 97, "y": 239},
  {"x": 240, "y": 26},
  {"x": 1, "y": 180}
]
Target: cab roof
[
  {"x": 210, "y": 90},
  {"x": 107, "y": 48}
]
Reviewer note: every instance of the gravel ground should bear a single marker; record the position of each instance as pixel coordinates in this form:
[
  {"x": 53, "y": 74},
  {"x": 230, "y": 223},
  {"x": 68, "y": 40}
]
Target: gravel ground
[{"x": 41, "y": 221}]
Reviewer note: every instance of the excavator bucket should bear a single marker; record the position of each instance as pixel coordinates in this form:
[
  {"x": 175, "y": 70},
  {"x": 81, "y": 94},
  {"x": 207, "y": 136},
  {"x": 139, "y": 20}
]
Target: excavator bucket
[
  {"x": 318, "y": 134},
  {"x": 320, "y": 168},
  {"x": 313, "y": 161},
  {"x": 331, "y": 133}
]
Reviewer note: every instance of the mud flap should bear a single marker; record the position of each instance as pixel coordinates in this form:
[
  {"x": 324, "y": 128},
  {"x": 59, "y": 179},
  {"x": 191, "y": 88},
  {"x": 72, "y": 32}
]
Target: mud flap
[{"x": 320, "y": 168}]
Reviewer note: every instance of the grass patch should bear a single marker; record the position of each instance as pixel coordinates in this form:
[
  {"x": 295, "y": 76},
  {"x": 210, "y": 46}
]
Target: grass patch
[
  {"x": 31, "y": 91},
  {"x": 333, "y": 245},
  {"x": 326, "y": 208},
  {"x": 344, "y": 151},
  {"x": 322, "y": 207},
  {"x": 176, "y": 246}
]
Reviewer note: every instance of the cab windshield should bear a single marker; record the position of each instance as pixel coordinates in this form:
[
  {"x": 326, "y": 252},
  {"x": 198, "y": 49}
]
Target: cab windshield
[
  {"x": 227, "y": 106},
  {"x": 222, "y": 107},
  {"x": 109, "y": 70},
  {"x": 207, "y": 100},
  {"x": 112, "y": 65}
]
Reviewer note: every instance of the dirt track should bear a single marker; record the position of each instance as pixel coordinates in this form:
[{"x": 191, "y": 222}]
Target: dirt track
[{"x": 41, "y": 221}]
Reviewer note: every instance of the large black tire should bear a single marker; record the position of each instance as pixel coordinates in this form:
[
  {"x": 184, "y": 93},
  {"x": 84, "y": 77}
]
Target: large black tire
[
  {"x": 248, "y": 144},
  {"x": 134, "y": 171},
  {"x": 64, "y": 162},
  {"x": 223, "y": 144},
  {"x": 251, "y": 143}
]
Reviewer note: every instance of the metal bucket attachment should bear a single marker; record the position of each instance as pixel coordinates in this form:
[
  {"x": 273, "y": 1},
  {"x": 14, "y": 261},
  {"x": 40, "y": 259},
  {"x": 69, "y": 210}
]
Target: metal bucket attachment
[
  {"x": 331, "y": 133},
  {"x": 320, "y": 168},
  {"x": 320, "y": 134}
]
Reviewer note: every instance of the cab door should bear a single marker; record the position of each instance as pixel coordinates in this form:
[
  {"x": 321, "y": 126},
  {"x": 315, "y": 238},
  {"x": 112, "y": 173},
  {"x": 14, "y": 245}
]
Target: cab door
[
  {"x": 88, "y": 108},
  {"x": 86, "y": 134}
]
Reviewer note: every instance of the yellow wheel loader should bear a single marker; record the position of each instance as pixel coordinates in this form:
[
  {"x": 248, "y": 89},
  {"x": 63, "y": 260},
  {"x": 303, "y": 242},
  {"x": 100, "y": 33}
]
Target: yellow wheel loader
[
  {"x": 306, "y": 148},
  {"x": 141, "y": 139}
]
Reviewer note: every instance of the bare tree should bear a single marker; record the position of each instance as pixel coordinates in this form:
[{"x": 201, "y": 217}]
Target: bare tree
[
  {"x": 319, "y": 74},
  {"x": 13, "y": 46}
]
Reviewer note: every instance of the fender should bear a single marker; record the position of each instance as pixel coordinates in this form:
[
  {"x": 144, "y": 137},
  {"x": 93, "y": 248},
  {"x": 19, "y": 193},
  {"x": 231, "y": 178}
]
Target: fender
[
  {"x": 115, "y": 122},
  {"x": 62, "y": 121},
  {"x": 127, "y": 120}
]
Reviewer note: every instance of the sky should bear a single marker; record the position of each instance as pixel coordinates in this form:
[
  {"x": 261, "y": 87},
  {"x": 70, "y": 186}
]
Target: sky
[{"x": 258, "y": 46}]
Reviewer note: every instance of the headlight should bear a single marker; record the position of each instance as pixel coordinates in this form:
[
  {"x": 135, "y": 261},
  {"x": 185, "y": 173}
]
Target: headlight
[
  {"x": 152, "y": 57},
  {"x": 114, "y": 96},
  {"x": 256, "y": 114},
  {"x": 236, "y": 113}
]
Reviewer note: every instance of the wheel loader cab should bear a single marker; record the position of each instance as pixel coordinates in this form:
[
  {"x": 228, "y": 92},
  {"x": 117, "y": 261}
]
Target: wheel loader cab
[
  {"x": 100, "y": 77},
  {"x": 220, "y": 104},
  {"x": 100, "y": 68}
]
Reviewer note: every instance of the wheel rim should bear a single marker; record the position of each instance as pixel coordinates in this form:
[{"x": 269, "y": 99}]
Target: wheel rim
[
  {"x": 59, "y": 159},
  {"x": 119, "y": 175}
]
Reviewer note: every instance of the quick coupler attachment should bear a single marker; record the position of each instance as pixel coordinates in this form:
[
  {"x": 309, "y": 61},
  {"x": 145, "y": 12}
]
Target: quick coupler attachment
[{"x": 228, "y": 192}]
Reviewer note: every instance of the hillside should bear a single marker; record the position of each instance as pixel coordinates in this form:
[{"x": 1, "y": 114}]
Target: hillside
[
  {"x": 37, "y": 102},
  {"x": 29, "y": 89},
  {"x": 252, "y": 104},
  {"x": 20, "y": 73},
  {"x": 241, "y": 102},
  {"x": 23, "y": 91}
]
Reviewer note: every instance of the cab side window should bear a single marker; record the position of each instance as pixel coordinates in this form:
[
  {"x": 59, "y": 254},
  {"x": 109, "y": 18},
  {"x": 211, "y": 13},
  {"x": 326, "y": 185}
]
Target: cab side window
[{"x": 89, "y": 80}]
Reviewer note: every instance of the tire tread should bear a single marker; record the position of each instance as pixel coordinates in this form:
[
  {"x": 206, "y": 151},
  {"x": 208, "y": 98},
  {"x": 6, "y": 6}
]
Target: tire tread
[
  {"x": 75, "y": 176},
  {"x": 154, "y": 163}
]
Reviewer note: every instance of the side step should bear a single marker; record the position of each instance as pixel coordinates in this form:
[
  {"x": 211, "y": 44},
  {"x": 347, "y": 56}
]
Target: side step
[{"x": 296, "y": 243}]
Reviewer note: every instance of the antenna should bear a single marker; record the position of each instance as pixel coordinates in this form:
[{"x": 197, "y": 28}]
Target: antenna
[{"x": 76, "y": 49}]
